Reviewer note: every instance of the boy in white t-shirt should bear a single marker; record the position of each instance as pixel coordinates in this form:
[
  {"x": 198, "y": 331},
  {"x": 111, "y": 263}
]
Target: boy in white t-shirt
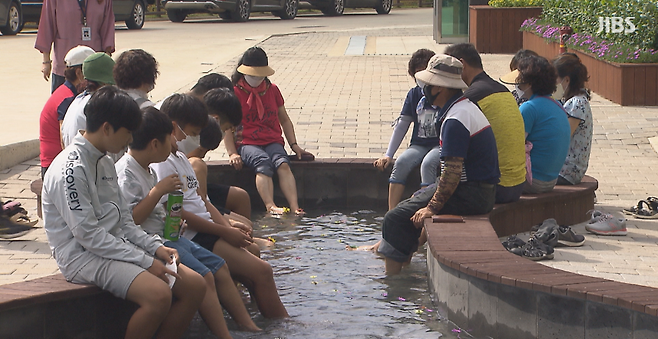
[
  {"x": 151, "y": 144},
  {"x": 92, "y": 235},
  {"x": 206, "y": 225}
]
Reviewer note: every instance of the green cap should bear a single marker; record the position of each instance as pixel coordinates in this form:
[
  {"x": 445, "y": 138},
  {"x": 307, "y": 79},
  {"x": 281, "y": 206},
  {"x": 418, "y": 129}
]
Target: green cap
[{"x": 98, "y": 67}]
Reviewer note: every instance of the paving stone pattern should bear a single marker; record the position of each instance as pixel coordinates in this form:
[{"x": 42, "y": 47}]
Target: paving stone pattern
[{"x": 343, "y": 106}]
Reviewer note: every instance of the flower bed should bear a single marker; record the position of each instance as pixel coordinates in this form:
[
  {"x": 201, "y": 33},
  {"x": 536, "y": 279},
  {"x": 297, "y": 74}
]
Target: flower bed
[
  {"x": 628, "y": 84},
  {"x": 496, "y": 29},
  {"x": 588, "y": 43}
]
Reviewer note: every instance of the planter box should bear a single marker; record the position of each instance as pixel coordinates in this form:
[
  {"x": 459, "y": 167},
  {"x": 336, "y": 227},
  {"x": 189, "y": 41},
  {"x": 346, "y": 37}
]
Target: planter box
[
  {"x": 496, "y": 29},
  {"x": 624, "y": 84}
]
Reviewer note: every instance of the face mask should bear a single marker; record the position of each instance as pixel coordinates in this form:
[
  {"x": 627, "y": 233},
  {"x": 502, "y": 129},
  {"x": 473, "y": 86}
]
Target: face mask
[
  {"x": 188, "y": 144},
  {"x": 427, "y": 91},
  {"x": 519, "y": 91},
  {"x": 559, "y": 91},
  {"x": 253, "y": 81}
]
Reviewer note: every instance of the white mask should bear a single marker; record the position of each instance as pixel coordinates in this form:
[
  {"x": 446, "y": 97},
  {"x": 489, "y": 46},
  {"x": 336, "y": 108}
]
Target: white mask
[
  {"x": 420, "y": 83},
  {"x": 559, "y": 91},
  {"x": 519, "y": 91},
  {"x": 188, "y": 144},
  {"x": 253, "y": 81}
]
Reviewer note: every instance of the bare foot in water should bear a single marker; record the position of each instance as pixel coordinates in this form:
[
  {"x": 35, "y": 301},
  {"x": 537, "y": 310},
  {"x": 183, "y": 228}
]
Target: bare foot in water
[{"x": 368, "y": 248}]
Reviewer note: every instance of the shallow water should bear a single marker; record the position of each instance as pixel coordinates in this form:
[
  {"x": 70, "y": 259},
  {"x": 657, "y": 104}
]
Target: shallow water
[{"x": 331, "y": 292}]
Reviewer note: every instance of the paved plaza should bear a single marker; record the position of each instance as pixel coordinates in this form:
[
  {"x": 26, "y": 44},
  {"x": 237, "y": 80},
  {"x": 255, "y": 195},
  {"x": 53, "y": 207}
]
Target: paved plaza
[{"x": 343, "y": 106}]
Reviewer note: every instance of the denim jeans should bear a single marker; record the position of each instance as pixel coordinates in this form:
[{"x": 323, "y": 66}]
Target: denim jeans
[{"x": 427, "y": 156}]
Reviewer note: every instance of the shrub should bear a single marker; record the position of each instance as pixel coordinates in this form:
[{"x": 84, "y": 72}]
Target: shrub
[
  {"x": 584, "y": 42},
  {"x": 515, "y": 3},
  {"x": 583, "y": 17}
]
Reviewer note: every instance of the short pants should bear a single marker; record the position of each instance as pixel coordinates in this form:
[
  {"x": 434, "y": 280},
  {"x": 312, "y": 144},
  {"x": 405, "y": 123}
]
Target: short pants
[
  {"x": 199, "y": 259},
  {"x": 206, "y": 240},
  {"x": 218, "y": 195},
  {"x": 264, "y": 159},
  {"x": 111, "y": 275}
]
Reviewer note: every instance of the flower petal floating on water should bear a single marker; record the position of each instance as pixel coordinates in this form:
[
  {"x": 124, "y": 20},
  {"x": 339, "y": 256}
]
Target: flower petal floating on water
[
  {"x": 314, "y": 276},
  {"x": 402, "y": 299},
  {"x": 418, "y": 311},
  {"x": 456, "y": 330},
  {"x": 384, "y": 294},
  {"x": 298, "y": 258},
  {"x": 271, "y": 239}
]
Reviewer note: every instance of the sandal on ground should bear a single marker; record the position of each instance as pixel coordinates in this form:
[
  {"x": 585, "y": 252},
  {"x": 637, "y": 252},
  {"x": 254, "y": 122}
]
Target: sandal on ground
[
  {"x": 512, "y": 243},
  {"x": 299, "y": 212},
  {"x": 650, "y": 212},
  {"x": 535, "y": 250},
  {"x": 650, "y": 201},
  {"x": 23, "y": 219}
]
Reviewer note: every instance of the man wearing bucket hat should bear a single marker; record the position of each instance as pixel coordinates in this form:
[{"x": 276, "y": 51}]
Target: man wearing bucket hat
[
  {"x": 97, "y": 70},
  {"x": 50, "y": 121},
  {"x": 258, "y": 140},
  {"x": 467, "y": 184}
]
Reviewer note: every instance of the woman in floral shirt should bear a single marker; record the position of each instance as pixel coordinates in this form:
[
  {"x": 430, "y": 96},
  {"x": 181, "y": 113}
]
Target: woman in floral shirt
[{"x": 572, "y": 75}]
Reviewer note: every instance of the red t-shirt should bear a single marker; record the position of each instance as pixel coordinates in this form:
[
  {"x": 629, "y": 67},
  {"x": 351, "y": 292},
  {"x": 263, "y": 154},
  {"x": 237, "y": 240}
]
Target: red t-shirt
[
  {"x": 255, "y": 131},
  {"x": 53, "y": 111}
]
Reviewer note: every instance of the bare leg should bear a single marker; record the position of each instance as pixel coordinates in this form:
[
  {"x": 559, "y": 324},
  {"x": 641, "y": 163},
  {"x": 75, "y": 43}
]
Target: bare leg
[
  {"x": 188, "y": 292},
  {"x": 239, "y": 202},
  {"x": 230, "y": 297},
  {"x": 254, "y": 249},
  {"x": 211, "y": 311},
  {"x": 256, "y": 275},
  {"x": 154, "y": 299},
  {"x": 288, "y": 185},
  {"x": 265, "y": 187},
  {"x": 392, "y": 267},
  {"x": 422, "y": 239},
  {"x": 395, "y": 192}
]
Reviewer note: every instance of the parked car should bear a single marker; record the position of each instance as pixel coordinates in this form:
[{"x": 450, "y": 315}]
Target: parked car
[
  {"x": 132, "y": 12},
  {"x": 336, "y": 7},
  {"x": 11, "y": 17},
  {"x": 235, "y": 10}
]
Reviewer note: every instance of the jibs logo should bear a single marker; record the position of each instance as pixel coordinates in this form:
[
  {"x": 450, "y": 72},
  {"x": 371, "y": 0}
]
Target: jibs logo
[{"x": 616, "y": 25}]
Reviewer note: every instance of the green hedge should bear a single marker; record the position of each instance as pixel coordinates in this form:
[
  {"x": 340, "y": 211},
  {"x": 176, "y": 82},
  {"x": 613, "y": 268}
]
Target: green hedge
[
  {"x": 515, "y": 3},
  {"x": 583, "y": 17}
]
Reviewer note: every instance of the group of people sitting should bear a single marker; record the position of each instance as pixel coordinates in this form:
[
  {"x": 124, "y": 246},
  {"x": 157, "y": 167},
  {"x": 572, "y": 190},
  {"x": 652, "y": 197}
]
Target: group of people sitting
[
  {"x": 492, "y": 144},
  {"x": 108, "y": 175}
]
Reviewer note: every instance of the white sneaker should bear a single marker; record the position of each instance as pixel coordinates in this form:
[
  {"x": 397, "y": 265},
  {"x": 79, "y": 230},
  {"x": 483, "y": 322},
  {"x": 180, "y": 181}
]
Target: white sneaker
[{"x": 606, "y": 224}]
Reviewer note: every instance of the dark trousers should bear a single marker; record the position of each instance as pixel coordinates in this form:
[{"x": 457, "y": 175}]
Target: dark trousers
[
  {"x": 470, "y": 198},
  {"x": 505, "y": 195},
  {"x": 56, "y": 81}
]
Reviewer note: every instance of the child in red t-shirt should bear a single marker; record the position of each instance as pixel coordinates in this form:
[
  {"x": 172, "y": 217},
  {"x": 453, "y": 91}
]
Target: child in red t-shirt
[{"x": 258, "y": 141}]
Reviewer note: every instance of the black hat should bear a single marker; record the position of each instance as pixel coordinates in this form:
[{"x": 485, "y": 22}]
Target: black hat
[{"x": 254, "y": 62}]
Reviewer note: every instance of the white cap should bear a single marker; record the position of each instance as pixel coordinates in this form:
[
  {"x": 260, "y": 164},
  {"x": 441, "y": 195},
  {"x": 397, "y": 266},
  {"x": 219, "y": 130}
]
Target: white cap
[{"x": 77, "y": 55}]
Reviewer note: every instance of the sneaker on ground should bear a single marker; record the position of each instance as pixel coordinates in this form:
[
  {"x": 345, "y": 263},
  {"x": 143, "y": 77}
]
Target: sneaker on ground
[
  {"x": 567, "y": 237},
  {"x": 598, "y": 215},
  {"x": 11, "y": 230},
  {"x": 607, "y": 225}
]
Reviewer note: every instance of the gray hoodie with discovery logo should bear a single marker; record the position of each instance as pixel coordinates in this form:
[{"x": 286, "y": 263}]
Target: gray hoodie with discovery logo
[{"x": 85, "y": 215}]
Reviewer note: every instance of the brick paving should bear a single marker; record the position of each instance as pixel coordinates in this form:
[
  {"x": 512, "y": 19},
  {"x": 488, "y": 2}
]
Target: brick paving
[{"x": 343, "y": 106}]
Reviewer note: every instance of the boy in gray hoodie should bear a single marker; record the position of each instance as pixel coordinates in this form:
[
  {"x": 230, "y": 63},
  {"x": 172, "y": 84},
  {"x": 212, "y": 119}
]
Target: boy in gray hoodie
[{"x": 92, "y": 234}]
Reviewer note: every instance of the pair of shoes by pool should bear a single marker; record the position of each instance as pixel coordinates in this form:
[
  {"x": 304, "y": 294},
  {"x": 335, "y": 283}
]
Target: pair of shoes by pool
[
  {"x": 602, "y": 223},
  {"x": 549, "y": 231},
  {"x": 539, "y": 246},
  {"x": 533, "y": 249},
  {"x": 645, "y": 209},
  {"x": 543, "y": 239}
]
